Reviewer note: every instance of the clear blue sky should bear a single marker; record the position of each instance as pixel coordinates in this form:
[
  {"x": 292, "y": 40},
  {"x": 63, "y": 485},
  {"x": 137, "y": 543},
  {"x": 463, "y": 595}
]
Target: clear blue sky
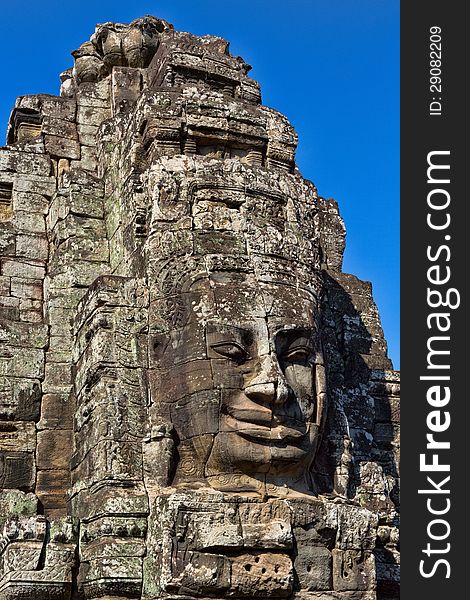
[{"x": 332, "y": 66}]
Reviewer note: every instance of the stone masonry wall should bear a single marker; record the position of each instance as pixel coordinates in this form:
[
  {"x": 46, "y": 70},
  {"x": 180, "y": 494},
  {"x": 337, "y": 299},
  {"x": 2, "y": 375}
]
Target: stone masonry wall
[{"x": 156, "y": 177}]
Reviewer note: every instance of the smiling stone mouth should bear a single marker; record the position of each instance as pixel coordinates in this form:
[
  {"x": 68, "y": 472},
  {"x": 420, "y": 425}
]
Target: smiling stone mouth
[
  {"x": 263, "y": 420},
  {"x": 272, "y": 433},
  {"x": 258, "y": 437},
  {"x": 275, "y": 433}
]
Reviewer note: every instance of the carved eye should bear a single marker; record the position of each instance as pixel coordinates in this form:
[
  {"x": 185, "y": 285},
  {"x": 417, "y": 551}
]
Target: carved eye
[
  {"x": 231, "y": 350},
  {"x": 299, "y": 355}
]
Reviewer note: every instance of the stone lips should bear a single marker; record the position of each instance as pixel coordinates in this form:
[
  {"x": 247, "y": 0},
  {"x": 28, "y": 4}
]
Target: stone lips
[{"x": 195, "y": 401}]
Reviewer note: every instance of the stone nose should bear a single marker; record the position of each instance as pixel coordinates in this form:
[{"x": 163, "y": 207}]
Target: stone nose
[
  {"x": 261, "y": 392},
  {"x": 269, "y": 386}
]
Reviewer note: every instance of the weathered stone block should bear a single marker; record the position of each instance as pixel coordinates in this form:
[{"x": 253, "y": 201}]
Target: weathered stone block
[
  {"x": 26, "y": 269},
  {"x": 27, "y": 288},
  {"x": 79, "y": 227},
  {"x": 267, "y": 527},
  {"x": 86, "y": 205},
  {"x": 203, "y": 573},
  {"x": 46, "y": 186},
  {"x": 88, "y": 159},
  {"x": 61, "y": 341},
  {"x": 61, "y": 128},
  {"x": 59, "y": 108},
  {"x": 54, "y": 448},
  {"x": 262, "y": 575},
  {"x": 87, "y": 134},
  {"x": 109, "y": 577},
  {"x": 313, "y": 567},
  {"x": 384, "y": 433},
  {"x": 30, "y": 304},
  {"x": 32, "y": 246},
  {"x": 100, "y": 90},
  {"x": 56, "y": 375},
  {"x": 58, "y": 357},
  {"x": 62, "y": 147},
  {"x": 31, "y": 311},
  {"x": 51, "y": 488},
  {"x": 28, "y": 222},
  {"x": 110, "y": 500},
  {"x": 17, "y": 436},
  {"x": 353, "y": 570},
  {"x": 60, "y": 320},
  {"x": 84, "y": 249},
  {"x": 387, "y": 409},
  {"x": 92, "y": 115},
  {"x": 126, "y": 87},
  {"x": 24, "y": 162},
  {"x": 31, "y": 203},
  {"x": 49, "y": 584},
  {"x": 56, "y": 412},
  {"x": 22, "y": 362},
  {"x": 20, "y": 399},
  {"x": 17, "y": 471}
]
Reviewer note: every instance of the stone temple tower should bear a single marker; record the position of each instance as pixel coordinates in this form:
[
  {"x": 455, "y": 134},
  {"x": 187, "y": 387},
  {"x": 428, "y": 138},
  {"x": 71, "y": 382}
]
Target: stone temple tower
[{"x": 195, "y": 401}]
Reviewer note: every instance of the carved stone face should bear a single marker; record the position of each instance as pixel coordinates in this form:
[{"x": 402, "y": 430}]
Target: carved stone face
[{"x": 243, "y": 396}]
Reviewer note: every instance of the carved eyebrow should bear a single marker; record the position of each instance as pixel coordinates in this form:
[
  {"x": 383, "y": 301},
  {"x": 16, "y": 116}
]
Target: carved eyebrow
[
  {"x": 288, "y": 340},
  {"x": 294, "y": 332},
  {"x": 215, "y": 326},
  {"x": 220, "y": 329},
  {"x": 304, "y": 354}
]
